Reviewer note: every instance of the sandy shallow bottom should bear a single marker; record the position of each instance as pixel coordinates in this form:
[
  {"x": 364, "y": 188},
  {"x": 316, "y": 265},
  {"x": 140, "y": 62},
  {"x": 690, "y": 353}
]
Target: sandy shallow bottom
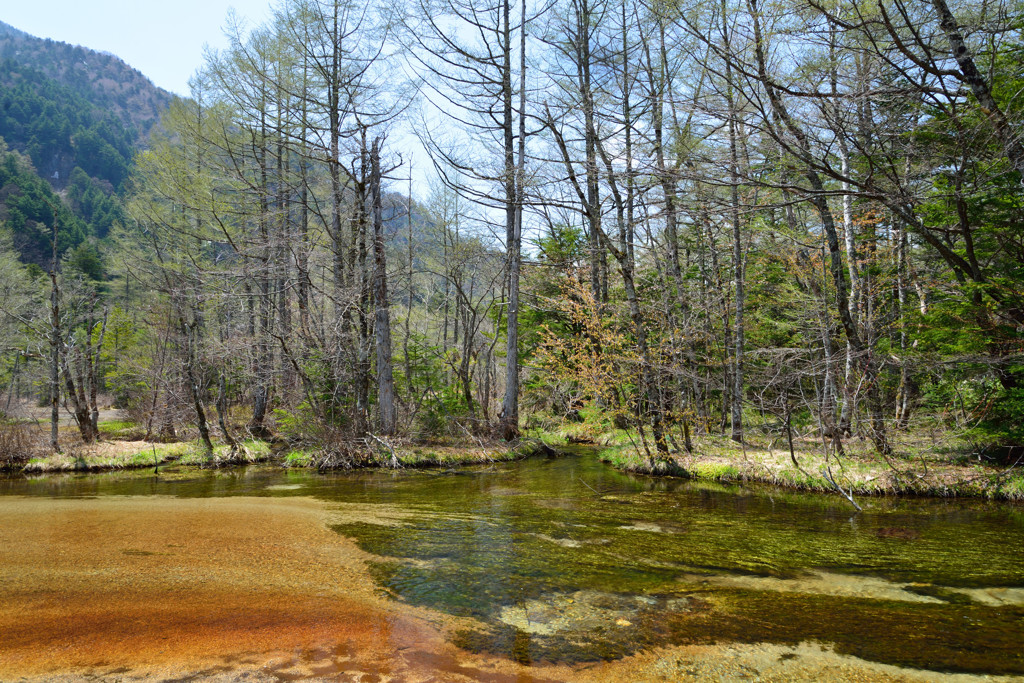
[{"x": 260, "y": 589}]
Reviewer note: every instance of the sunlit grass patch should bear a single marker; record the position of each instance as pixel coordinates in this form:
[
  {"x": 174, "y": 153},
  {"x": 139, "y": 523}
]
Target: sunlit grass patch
[
  {"x": 298, "y": 458},
  {"x": 1014, "y": 488},
  {"x": 715, "y": 470},
  {"x": 434, "y": 456},
  {"x": 108, "y": 455},
  {"x": 121, "y": 429},
  {"x": 247, "y": 452}
]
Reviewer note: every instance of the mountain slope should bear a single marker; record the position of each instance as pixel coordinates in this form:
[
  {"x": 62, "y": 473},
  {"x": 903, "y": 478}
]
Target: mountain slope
[
  {"x": 76, "y": 118},
  {"x": 102, "y": 79}
]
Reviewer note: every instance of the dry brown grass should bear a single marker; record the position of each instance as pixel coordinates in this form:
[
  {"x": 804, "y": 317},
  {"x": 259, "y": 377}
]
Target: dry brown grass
[
  {"x": 17, "y": 445},
  {"x": 922, "y": 465}
]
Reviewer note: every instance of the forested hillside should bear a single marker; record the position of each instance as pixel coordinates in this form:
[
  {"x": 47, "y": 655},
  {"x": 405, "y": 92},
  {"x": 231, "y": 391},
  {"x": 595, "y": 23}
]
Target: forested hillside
[
  {"x": 75, "y": 118},
  {"x": 104, "y": 81},
  {"x": 28, "y": 206},
  {"x": 61, "y": 129},
  {"x": 687, "y": 219},
  {"x": 66, "y": 106}
]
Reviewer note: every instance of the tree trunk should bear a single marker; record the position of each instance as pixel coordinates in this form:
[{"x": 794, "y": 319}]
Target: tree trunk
[
  {"x": 972, "y": 76},
  {"x": 76, "y": 397},
  {"x": 55, "y": 342},
  {"x": 509, "y": 420},
  {"x": 382, "y": 323},
  {"x": 94, "y": 377},
  {"x": 737, "y": 246},
  {"x": 191, "y": 374},
  {"x": 222, "y": 413},
  {"x": 820, "y": 202}
]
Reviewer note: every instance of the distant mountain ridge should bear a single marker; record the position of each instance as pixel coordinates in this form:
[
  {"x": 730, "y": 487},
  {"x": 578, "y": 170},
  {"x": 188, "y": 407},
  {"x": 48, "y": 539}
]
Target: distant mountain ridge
[
  {"x": 75, "y": 118},
  {"x": 100, "y": 77}
]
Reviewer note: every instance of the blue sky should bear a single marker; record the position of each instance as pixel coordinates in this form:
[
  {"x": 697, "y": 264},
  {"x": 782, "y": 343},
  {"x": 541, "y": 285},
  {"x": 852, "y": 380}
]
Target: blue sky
[{"x": 163, "y": 39}]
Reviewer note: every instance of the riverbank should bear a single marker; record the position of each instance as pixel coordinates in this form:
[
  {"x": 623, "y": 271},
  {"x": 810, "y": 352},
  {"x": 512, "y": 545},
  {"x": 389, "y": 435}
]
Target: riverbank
[
  {"x": 923, "y": 464},
  {"x": 112, "y": 453}
]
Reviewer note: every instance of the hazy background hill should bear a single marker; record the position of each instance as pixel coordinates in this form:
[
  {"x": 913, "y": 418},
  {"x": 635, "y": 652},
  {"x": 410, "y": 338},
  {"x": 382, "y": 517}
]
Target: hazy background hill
[
  {"x": 66, "y": 106},
  {"x": 75, "y": 118},
  {"x": 101, "y": 79}
]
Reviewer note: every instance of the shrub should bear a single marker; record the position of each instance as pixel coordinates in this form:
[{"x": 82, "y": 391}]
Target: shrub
[{"x": 17, "y": 446}]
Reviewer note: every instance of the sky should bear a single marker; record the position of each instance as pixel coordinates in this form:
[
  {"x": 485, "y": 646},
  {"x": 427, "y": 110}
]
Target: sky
[{"x": 163, "y": 39}]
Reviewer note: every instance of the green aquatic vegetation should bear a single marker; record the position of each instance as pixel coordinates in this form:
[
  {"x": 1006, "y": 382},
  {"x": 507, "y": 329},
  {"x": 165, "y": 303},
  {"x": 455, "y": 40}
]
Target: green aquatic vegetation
[
  {"x": 569, "y": 560},
  {"x": 541, "y": 532},
  {"x": 961, "y": 638}
]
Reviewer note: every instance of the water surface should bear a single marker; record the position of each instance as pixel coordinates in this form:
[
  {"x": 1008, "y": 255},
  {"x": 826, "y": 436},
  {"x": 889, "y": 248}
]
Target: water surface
[{"x": 567, "y": 561}]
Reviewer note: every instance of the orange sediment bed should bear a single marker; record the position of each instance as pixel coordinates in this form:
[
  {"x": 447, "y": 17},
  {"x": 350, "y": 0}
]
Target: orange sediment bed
[
  {"x": 260, "y": 589},
  {"x": 165, "y": 587}
]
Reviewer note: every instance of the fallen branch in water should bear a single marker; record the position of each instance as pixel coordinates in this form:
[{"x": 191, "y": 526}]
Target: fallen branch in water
[
  {"x": 394, "y": 464},
  {"x": 827, "y": 473},
  {"x": 596, "y": 492}
]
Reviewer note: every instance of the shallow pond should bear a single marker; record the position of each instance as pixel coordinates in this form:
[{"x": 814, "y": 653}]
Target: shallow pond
[{"x": 565, "y": 560}]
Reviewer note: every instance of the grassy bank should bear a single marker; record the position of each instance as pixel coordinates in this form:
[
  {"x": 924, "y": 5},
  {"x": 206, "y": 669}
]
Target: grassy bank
[
  {"x": 411, "y": 455},
  {"x": 924, "y": 464},
  {"x": 860, "y": 474},
  {"x": 119, "y": 455},
  {"x": 121, "y": 447}
]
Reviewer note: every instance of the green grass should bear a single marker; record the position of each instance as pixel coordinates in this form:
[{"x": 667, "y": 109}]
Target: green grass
[
  {"x": 298, "y": 458},
  {"x": 103, "y": 460},
  {"x": 453, "y": 457},
  {"x": 597, "y": 427},
  {"x": 715, "y": 471},
  {"x": 927, "y": 462},
  {"x": 252, "y": 451},
  {"x": 121, "y": 429}
]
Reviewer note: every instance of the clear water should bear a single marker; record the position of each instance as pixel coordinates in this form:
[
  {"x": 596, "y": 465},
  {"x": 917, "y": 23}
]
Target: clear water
[{"x": 568, "y": 560}]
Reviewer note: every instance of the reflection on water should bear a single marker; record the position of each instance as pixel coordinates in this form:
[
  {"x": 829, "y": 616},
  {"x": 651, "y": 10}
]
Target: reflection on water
[{"x": 567, "y": 560}]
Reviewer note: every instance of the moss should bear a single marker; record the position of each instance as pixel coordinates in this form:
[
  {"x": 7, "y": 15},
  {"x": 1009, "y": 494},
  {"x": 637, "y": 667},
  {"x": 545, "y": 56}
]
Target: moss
[
  {"x": 298, "y": 458},
  {"x": 716, "y": 471}
]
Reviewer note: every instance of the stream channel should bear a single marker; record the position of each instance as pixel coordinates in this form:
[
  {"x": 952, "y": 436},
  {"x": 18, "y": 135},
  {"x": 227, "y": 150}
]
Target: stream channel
[{"x": 560, "y": 562}]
